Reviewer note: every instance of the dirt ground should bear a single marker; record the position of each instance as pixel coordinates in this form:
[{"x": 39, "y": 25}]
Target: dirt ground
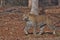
[{"x": 11, "y": 28}]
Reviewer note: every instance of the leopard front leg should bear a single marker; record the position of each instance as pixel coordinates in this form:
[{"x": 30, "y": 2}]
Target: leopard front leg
[
  {"x": 27, "y": 27},
  {"x": 34, "y": 28},
  {"x": 26, "y": 30},
  {"x": 29, "y": 24}
]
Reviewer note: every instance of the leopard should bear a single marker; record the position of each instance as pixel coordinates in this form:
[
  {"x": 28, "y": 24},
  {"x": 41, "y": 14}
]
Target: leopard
[{"x": 38, "y": 21}]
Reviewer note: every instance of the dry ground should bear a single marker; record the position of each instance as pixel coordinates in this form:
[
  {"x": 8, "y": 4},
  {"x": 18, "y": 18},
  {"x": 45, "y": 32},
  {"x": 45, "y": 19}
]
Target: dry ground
[{"x": 11, "y": 28}]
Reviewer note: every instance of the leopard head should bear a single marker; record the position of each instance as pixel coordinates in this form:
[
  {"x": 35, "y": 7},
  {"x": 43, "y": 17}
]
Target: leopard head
[{"x": 25, "y": 17}]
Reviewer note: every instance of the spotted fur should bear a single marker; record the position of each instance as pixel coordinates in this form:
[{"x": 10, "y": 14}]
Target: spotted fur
[{"x": 37, "y": 20}]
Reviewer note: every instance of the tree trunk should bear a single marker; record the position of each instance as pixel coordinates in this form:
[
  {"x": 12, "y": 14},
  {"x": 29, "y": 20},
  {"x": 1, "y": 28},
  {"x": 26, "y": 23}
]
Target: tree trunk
[
  {"x": 34, "y": 7},
  {"x": 59, "y": 2},
  {"x": 1, "y": 2}
]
